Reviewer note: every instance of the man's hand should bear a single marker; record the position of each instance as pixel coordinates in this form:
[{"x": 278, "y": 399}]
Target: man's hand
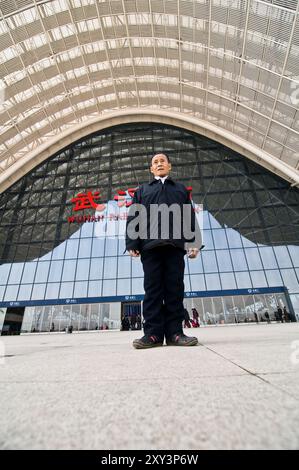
[
  {"x": 134, "y": 253},
  {"x": 192, "y": 252}
]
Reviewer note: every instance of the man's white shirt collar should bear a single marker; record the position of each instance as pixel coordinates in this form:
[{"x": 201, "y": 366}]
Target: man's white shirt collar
[{"x": 163, "y": 178}]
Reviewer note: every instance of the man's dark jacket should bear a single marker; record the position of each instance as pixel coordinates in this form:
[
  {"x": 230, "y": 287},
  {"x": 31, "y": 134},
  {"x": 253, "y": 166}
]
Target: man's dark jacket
[{"x": 155, "y": 192}]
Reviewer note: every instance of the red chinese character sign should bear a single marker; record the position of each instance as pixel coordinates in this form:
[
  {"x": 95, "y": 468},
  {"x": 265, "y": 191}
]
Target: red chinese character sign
[{"x": 87, "y": 201}]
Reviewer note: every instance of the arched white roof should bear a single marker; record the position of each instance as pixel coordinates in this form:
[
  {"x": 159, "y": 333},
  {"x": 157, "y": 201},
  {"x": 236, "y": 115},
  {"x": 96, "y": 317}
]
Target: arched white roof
[{"x": 228, "y": 68}]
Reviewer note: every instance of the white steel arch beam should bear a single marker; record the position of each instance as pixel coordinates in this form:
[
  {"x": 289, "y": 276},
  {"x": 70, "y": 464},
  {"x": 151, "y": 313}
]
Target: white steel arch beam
[{"x": 57, "y": 143}]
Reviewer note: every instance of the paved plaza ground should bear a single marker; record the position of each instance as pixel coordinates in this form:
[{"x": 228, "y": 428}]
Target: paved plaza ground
[{"x": 239, "y": 389}]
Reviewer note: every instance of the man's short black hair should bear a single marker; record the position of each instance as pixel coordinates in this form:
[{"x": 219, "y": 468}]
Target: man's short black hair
[{"x": 161, "y": 153}]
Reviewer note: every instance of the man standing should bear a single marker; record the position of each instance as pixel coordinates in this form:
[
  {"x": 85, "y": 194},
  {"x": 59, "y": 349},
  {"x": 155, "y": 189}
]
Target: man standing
[{"x": 162, "y": 254}]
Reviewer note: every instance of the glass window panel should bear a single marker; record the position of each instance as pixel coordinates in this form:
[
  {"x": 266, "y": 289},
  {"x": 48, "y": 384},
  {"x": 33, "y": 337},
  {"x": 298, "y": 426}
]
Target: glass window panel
[
  {"x": 206, "y": 220},
  {"x": 294, "y": 253},
  {"x": 80, "y": 289},
  {"x": 208, "y": 240},
  {"x": 239, "y": 260},
  {"x": 52, "y": 290},
  {"x": 224, "y": 261},
  {"x": 15, "y": 273},
  {"x": 258, "y": 279},
  {"x": 97, "y": 247},
  {"x": 234, "y": 238},
  {"x": 290, "y": 279},
  {"x": 268, "y": 257},
  {"x": 58, "y": 251},
  {"x": 110, "y": 265},
  {"x": 137, "y": 286},
  {"x": 124, "y": 266},
  {"x": 209, "y": 261},
  {"x": 274, "y": 278},
  {"x": 214, "y": 222},
  {"x": 2, "y": 289},
  {"x": 253, "y": 258},
  {"x": 187, "y": 283},
  {"x": 82, "y": 272},
  {"x": 69, "y": 270},
  {"x": 137, "y": 269},
  {"x": 87, "y": 230},
  {"x": 38, "y": 292},
  {"x": 66, "y": 290},
  {"x": 213, "y": 282},
  {"x": 111, "y": 247},
  {"x": 4, "y": 272},
  {"x": 247, "y": 243},
  {"x": 220, "y": 240},
  {"x": 96, "y": 268},
  {"x": 197, "y": 282},
  {"x": 109, "y": 288},
  {"x": 11, "y": 293},
  {"x": 55, "y": 271},
  {"x": 228, "y": 281},
  {"x": 195, "y": 265},
  {"x": 283, "y": 258},
  {"x": 243, "y": 280},
  {"x": 123, "y": 287},
  {"x": 25, "y": 292},
  {"x": 95, "y": 288},
  {"x": 42, "y": 271},
  {"x": 84, "y": 248},
  {"x": 72, "y": 248},
  {"x": 121, "y": 247},
  {"x": 29, "y": 272}
]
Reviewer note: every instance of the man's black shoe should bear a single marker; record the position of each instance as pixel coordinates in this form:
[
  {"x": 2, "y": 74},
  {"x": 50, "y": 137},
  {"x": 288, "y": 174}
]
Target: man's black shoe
[
  {"x": 147, "y": 341},
  {"x": 180, "y": 339}
]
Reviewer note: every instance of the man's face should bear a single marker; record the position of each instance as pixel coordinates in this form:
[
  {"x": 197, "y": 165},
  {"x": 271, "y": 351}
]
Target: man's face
[{"x": 160, "y": 165}]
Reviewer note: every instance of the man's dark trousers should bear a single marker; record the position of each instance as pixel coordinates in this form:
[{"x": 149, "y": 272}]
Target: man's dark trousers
[{"x": 163, "y": 309}]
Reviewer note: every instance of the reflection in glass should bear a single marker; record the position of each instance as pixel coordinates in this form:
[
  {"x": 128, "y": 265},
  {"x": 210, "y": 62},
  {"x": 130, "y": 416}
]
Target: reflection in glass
[
  {"x": 110, "y": 265},
  {"x": 85, "y": 247},
  {"x": 55, "y": 271},
  {"x": 209, "y": 261},
  {"x": 228, "y": 281},
  {"x": 52, "y": 290},
  {"x": 95, "y": 289},
  {"x": 29, "y": 272},
  {"x": 4, "y": 272},
  {"x": 42, "y": 271},
  {"x": 38, "y": 292},
  {"x": 109, "y": 288},
  {"x": 80, "y": 289},
  {"x": 69, "y": 269},
  {"x": 15, "y": 273},
  {"x": 24, "y": 292},
  {"x": 66, "y": 290},
  {"x": 258, "y": 279},
  {"x": 243, "y": 280},
  {"x": 239, "y": 261},
  {"x": 224, "y": 260},
  {"x": 72, "y": 248},
  {"x": 82, "y": 272},
  {"x": 213, "y": 282}
]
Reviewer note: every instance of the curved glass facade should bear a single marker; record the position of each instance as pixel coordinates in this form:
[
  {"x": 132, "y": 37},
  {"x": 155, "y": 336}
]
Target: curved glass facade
[{"x": 61, "y": 231}]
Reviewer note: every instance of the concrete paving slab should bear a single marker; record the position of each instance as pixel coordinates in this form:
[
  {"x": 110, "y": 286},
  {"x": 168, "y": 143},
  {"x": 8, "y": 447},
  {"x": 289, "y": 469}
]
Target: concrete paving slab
[{"x": 94, "y": 391}]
